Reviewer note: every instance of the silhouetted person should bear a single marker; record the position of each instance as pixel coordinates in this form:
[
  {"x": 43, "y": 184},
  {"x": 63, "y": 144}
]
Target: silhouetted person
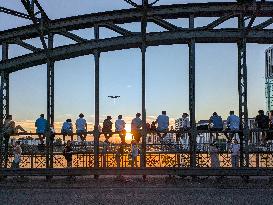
[
  {"x": 17, "y": 152},
  {"x": 67, "y": 129},
  {"x": 270, "y": 133},
  {"x": 9, "y": 129},
  {"x": 214, "y": 154},
  {"x": 185, "y": 124},
  {"x": 135, "y": 153},
  {"x": 163, "y": 124},
  {"x": 120, "y": 127},
  {"x": 233, "y": 124},
  {"x": 216, "y": 123},
  {"x": 136, "y": 127},
  {"x": 262, "y": 122},
  {"x": 68, "y": 154},
  {"x": 40, "y": 125},
  {"x": 81, "y": 127},
  {"x": 107, "y": 128},
  {"x": 235, "y": 153}
]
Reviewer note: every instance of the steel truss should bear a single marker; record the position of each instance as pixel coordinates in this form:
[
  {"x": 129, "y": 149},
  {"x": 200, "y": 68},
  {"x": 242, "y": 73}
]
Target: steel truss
[{"x": 44, "y": 28}]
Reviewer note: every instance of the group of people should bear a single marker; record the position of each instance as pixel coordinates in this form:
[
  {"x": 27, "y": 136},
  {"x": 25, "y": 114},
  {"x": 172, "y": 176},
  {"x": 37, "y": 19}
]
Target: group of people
[
  {"x": 42, "y": 126},
  {"x": 262, "y": 121},
  {"x": 162, "y": 122},
  {"x": 233, "y": 123}
]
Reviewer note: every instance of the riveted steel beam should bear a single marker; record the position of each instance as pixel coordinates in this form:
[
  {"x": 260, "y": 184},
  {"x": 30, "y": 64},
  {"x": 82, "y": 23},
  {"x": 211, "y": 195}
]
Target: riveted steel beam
[
  {"x": 134, "y": 15},
  {"x": 14, "y": 13},
  {"x": 126, "y": 42},
  {"x": 117, "y": 29},
  {"x": 27, "y": 45}
]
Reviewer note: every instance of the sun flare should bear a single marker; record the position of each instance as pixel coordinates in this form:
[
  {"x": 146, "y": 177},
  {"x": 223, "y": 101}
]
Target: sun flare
[{"x": 128, "y": 136}]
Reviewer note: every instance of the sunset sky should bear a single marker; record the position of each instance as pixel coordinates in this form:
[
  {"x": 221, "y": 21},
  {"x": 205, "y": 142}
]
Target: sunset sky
[{"x": 120, "y": 74}]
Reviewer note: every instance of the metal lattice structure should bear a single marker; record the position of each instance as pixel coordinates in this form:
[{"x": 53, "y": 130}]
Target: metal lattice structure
[{"x": 45, "y": 29}]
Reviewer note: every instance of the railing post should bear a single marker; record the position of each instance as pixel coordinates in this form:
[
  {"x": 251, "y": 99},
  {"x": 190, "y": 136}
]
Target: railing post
[
  {"x": 242, "y": 89},
  {"x": 50, "y": 102},
  {"x": 193, "y": 132},
  {"x": 97, "y": 93},
  {"x": 143, "y": 81},
  {"x": 4, "y": 106}
]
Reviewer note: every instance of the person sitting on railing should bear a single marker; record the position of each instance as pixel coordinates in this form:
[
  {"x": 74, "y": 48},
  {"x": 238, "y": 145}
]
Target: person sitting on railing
[
  {"x": 120, "y": 127},
  {"x": 262, "y": 122},
  {"x": 40, "y": 125},
  {"x": 162, "y": 124},
  {"x": 184, "y": 126},
  {"x": 67, "y": 129},
  {"x": 136, "y": 126},
  {"x": 233, "y": 124},
  {"x": 216, "y": 123},
  {"x": 107, "y": 128},
  {"x": 81, "y": 127}
]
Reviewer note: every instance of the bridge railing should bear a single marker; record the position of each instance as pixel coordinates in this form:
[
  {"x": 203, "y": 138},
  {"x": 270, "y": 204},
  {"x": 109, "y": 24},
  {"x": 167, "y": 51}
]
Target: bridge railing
[{"x": 173, "y": 151}]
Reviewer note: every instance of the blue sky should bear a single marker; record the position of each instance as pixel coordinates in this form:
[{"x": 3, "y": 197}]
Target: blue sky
[{"x": 120, "y": 74}]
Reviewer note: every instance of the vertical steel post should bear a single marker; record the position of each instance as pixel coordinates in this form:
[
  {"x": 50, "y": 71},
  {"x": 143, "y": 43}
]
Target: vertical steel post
[
  {"x": 4, "y": 104},
  {"x": 193, "y": 132},
  {"x": 50, "y": 101},
  {"x": 143, "y": 80},
  {"x": 242, "y": 89},
  {"x": 97, "y": 96}
]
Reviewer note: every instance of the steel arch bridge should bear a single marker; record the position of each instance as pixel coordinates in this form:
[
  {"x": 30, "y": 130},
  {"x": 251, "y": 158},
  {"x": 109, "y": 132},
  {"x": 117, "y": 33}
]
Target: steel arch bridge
[{"x": 45, "y": 29}]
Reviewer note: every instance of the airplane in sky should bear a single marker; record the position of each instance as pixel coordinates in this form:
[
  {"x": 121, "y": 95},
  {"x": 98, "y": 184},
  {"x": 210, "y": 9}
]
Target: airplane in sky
[{"x": 113, "y": 96}]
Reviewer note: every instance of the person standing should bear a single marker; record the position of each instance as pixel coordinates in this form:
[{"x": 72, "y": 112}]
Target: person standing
[
  {"x": 163, "y": 124},
  {"x": 81, "y": 127},
  {"x": 233, "y": 124},
  {"x": 17, "y": 152},
  {"x": 120, "y": 128},
  {"x": 9, "y": 129},
  {"x": 270, "y": 133},
  {"x": 107, "y": 128},
  {"x": 235, "y": 153},
  {"x": 262, "y": 122},
  {"x": 68, "y": 154},
  {"x": 135, "y": 153},
  {"x": 185, "y": 123},
  {"x": 135, "y": 127},
  {"x": 214, "y": 155},
  {"x": 67, "y": 129},
  {"x": 40, "y": 125}
]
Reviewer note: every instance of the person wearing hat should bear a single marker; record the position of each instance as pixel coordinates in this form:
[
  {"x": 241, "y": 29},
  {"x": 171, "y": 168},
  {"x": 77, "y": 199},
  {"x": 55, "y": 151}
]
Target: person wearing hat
[
  {"x": 136, "y": 126},
  {"x": 81, "y": 127},
  {"x": 41, "y": 124},
  {"x": 120, "y": 127},
  {"x": 107, "y": 128}
]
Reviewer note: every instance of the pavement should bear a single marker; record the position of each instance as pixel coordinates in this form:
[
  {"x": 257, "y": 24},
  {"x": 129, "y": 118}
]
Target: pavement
[{"x": 133, "y": 190}]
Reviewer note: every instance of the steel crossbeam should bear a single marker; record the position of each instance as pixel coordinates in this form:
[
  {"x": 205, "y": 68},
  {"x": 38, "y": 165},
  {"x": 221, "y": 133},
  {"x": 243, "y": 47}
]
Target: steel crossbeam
[
  {"x": 134, "y": 41},
  {"x": 134, "y": 15}
]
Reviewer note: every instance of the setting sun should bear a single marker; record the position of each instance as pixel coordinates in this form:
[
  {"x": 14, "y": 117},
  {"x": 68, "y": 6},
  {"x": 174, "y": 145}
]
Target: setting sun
[{"x": 128, "y": 136}]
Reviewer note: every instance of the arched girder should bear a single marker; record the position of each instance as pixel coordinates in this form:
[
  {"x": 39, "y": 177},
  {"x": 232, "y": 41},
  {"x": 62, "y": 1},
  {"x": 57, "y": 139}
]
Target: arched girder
[
  {"x": 134, "y": 15},
  {"x": 134, "y": 41}
]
